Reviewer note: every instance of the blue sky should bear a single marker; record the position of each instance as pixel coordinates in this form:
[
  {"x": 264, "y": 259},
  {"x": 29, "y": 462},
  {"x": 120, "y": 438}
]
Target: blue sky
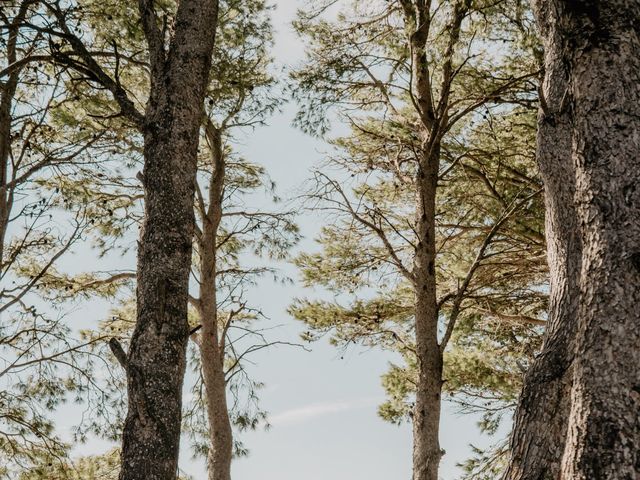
[{"x": 322, "y": 407}]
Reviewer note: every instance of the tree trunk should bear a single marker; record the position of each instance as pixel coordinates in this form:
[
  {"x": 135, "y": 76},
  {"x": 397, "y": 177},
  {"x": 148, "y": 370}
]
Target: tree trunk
[
  {"x": 426, "y": 414},
  {"x": 604, "y": 424},
  {"x": 540, "y": 424},
  {"x": 8, "y": 90},
  {"x": 221, "y": 436},
  {"x": 156, "y": 359},
  {"x": 211, "y": 341},
  {"x": 595, "y": 431}
]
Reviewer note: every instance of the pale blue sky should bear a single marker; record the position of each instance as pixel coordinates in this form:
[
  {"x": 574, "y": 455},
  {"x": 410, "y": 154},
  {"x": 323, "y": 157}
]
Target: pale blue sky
[{"x": 322, "y": 408}]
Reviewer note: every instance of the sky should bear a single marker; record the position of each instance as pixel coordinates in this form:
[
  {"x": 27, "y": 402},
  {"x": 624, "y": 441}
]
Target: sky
[{"x": 321, "y": 403}]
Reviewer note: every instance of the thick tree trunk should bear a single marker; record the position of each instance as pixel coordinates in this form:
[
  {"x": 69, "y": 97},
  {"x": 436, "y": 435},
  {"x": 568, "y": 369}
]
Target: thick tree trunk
[
  {"x": 211, "y": 344},
  {"x": 426, "y": 413},
  {"x": 540, "y": 424},
  {"x": 604, "y": 424},
  {"x": 578, "y": 416},
  {"x": 156, "y": 359}
]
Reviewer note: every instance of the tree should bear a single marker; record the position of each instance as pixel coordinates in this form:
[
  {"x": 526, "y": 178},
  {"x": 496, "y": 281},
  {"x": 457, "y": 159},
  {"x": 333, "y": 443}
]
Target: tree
[
  {"x": 577, "y": 416},
  {"x": 239, "y": 95},
  {"x": 180, "y": 43},
  {"x": 99, "y": 467},
  {"x": 93, "y": 467},
  {"x": 229, "y": 228},
  {"x": 156, "y": 358},
  {"x": 43, "y": 363},
  {"x": 411, "y": 79}
]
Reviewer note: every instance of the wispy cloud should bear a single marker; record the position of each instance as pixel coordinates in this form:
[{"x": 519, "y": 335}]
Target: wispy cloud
[{"x": 314, "y": 410}]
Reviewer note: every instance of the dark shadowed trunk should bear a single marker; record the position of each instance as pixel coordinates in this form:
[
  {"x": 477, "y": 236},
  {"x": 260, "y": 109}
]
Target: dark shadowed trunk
[
  {"x": 211, "y": 341},
  {"x": 156, "y": 359},
  {"x": 578, "y": 416}
]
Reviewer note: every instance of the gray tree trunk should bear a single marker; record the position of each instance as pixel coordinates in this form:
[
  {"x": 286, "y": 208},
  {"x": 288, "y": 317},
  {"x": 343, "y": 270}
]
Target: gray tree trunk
[
  {"x": 212, "y": 351},
  {"x": 578, "y": 417},
  {"x": 156, "y": 359},
  {"x": 426, "y": 413},
  {"x": 429, "y": 353}
]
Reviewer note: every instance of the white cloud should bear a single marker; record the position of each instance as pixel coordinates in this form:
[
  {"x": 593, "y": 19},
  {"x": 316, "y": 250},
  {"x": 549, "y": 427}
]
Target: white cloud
[{"x": 314, "y": 410}]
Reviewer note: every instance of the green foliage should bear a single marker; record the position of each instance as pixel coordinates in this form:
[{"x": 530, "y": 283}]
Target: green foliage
[
  {"x": 43, "y": 361},
  {"x": 486, "y": 464},
  {"x": 240, "y": 95},
  {"x": 93, "y": 467},
  {"x": 94, "y": 186},
  {"x": 489, "y": 213},
  {"x": 99, "y": 467}
]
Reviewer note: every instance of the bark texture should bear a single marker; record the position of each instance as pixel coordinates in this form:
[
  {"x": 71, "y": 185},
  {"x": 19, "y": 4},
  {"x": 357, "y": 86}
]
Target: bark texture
[
  {"x": 212, "y": 340},
  {"x": 434, "y": 121},
  {"x": 604, "y": 423},
  {"x": 426, "y": 413},
  {"x": 541, "y": 420},
  {"x": 156, "y": 358},
  {"x": 578, "y": 415}
]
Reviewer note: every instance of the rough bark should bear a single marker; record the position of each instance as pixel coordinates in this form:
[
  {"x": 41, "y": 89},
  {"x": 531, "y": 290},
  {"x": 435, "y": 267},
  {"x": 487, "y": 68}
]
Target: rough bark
[
  {"x": 426, "y": 413},
  {"x": 578, "y": 415},
  {"x": 604, "y": 423},
  {"x": 212, "y": 340},
  {"x": 156, "y": 358},
  {"x": 540, "y": 424}
]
